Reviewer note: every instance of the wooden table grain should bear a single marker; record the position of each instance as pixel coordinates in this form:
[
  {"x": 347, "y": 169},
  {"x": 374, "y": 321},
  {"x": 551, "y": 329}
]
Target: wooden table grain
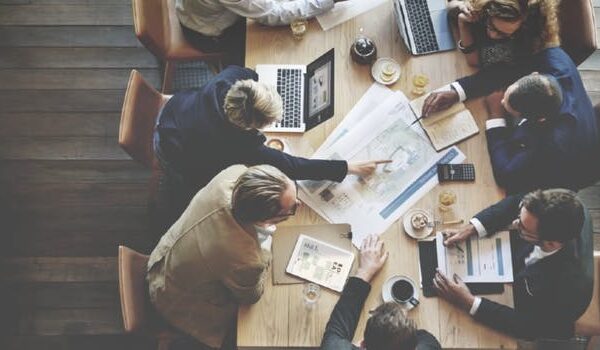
[{"x": 280, "y": 318}]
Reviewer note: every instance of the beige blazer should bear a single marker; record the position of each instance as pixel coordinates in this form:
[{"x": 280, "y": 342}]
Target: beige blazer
[{"x": 207, "y": 264}]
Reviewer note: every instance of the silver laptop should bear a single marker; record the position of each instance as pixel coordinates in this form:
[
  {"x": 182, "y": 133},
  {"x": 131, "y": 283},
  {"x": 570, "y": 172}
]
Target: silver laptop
[
  {"x": 423, "y": 25},
  {"x": 307, "y": 92}
]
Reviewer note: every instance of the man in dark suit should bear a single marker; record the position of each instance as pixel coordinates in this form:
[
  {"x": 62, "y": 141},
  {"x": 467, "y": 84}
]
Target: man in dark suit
[
  {"x": 553, "y": 145},
  {"x": 387, "y": 328},
  {"x": 201, "y": 132},
  {"x": 553, "y": 268}
]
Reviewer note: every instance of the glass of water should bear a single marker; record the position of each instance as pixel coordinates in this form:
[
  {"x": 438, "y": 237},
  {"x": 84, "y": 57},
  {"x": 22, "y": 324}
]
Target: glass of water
[
  {"x": 299, "y": 27},
  {"x": 311, "y": 293}
]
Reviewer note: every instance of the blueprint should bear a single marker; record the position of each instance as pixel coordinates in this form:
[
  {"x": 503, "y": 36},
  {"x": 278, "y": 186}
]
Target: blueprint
[{"x": 373, "y": 203}]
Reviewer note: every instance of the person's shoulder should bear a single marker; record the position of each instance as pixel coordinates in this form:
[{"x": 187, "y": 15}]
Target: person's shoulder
[{"x": 239, "y": 73}]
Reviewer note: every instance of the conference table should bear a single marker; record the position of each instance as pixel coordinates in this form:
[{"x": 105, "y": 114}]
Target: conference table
[{"x": 280, "y": 319}]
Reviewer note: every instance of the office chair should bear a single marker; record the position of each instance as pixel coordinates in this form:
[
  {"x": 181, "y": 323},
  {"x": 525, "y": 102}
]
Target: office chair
[
  {"x": 157, "y": 27},
  {"x": 135, "y": 307},
  {"x": 577, "y": 29}
]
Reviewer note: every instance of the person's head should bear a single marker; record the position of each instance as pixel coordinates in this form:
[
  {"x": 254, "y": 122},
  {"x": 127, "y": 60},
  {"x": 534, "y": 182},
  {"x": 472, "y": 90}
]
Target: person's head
[
  {"x": 252, "y": 105},
  {"x": 263, "y": 195},
  {"x": 388, "y": 328},
  {"x": 534, "y": 96},
  {"x": 550, "y": 217}
]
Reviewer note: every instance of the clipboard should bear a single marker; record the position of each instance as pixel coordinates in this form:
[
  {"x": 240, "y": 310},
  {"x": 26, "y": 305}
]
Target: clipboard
[
  {"x": 428, "y": 263},
  {"x": 284, "y": 241}
]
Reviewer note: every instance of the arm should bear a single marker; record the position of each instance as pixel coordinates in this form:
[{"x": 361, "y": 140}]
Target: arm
[
  {"x": 247, "y": 283},
  {"x": 344, "y": 318},
  {"x": 493, "y": 78},
  {"x": 467, "y": 39},
  {"x": 500, "y": 214},
  {"x": 272, "y": 12}
]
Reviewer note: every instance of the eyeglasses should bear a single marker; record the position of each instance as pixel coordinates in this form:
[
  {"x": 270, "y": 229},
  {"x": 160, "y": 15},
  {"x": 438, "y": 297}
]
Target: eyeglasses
[{"x": 502, "y": 35}]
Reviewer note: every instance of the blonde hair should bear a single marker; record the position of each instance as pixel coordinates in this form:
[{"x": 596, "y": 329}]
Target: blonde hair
[
  {"x": 540, "y": 17},
  {"x": 257, "y": 194},
  {"x": 252, "y": 105}
]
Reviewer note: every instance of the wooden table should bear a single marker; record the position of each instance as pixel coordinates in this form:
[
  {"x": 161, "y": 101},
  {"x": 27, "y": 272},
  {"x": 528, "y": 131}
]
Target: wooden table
[{"x": 280, "y": 319}]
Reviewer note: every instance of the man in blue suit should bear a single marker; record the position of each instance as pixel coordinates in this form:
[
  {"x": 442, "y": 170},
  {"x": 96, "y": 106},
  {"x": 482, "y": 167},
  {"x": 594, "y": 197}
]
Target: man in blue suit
[{"x": 555, "y": 144}]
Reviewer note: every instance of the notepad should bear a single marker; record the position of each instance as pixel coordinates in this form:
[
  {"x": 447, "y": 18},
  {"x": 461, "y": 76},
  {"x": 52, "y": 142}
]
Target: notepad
[
  {"x": 320, "y": 262},
  {"x": 447, "y": 127}
]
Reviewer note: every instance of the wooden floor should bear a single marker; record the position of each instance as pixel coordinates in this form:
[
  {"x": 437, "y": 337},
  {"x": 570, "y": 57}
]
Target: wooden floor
[{"x": 68, "y": 195}]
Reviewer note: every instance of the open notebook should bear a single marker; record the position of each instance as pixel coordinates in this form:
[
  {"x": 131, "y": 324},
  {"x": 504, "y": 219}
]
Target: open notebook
[{"x": 447, "y": 127}]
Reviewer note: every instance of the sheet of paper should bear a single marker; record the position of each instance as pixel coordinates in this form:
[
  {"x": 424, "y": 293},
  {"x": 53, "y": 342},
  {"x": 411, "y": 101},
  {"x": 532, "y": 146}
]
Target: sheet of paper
[
  {"x": 477, "y": 259},
  {"x": 451, "y": 130},
  {"x": 345, "y": 10},
  {"x": 371, "y": 205},
  {"x": 320, "y": 262}
]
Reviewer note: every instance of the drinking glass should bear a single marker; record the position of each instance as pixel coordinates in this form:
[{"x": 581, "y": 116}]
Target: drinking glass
[
  {"x": 311, "y": 293},
  {"x": 299, "y": 27}
]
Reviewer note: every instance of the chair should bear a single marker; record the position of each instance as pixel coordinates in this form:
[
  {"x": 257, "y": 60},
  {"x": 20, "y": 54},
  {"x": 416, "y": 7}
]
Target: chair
[
  {"x": 589, "y": 323},
  {"x": 577, "y": 29},
  {"x": 134, "y": 304},
  {"x": 141, "y": 106},
  {"x": 157, "y": 27}
]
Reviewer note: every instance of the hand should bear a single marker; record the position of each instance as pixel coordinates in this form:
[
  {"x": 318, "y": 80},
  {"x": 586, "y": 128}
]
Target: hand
[
  {"x": 372, "y": 258},
  {"x": 438, "y": 101},
  {"x": 493, "y": 103},
  {"x": 364, "y": 169},
  {"x": 451, "y": 237},
  {"x": 453, "y": 290},
  {"x": 466, "y": 15}
]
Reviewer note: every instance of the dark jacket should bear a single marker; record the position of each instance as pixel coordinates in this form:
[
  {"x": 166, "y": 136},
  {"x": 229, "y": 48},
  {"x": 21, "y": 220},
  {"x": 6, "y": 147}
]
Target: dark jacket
[
  {"x": 562, "y": 152},
  {"x": 344, "y": 319},
  {"x": 198, "y": 141},
  {"x": 550, "y": 294}
]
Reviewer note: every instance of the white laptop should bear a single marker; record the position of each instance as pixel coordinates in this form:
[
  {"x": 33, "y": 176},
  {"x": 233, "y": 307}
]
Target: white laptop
[
  {"x": 423, "y": 25},
  {"x": 307, "y": 92}
]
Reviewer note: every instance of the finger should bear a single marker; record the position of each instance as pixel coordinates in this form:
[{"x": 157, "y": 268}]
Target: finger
[
  {"x": 442, "y": 276},
  {"x": 457, "y": 279},
  {"x": 442, "y": 285},
  {"x": 384, "y": 257},
  {"x": 379, "y": 246},
  {"x": 427, "y": 104},
  {"x": 370, "y": 242},
  {"x": 363, "y": 244},
  {"x": 383, "y": 161}
]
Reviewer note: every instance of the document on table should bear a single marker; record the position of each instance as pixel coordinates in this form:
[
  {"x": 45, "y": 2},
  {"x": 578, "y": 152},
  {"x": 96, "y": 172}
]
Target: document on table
[
  {"x": 486, "y": 259},
  {"x": 372, "y": 204},
  {"x": 345, "y": 10}
]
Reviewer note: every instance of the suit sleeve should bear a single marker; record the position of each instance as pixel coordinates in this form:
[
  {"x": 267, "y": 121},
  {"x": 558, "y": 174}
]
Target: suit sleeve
[
  {"x": 500, "y": 214},
  {"x": 490, "y": 79},
  {"x": 344, "y": 318},
  {"x": 246, "y": 284},
  {"x": 298, "y": 168}
]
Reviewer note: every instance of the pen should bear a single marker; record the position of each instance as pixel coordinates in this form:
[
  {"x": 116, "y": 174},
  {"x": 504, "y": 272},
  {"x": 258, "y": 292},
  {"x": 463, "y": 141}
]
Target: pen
[
  {"x": 416, "y": 120},
  {"x": 459, "y": 248}
]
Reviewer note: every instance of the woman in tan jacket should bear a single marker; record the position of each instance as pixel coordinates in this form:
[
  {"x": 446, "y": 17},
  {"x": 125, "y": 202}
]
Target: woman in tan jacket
[{"x": 210, "y": 260}]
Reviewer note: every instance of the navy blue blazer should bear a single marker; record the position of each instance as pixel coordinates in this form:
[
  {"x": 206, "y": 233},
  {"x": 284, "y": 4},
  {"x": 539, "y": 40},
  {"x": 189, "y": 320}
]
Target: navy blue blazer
[
  {"x": 198, "y": 141},
  {"x": 562, "y": 152},
  {"x": 550, "y": 294}
]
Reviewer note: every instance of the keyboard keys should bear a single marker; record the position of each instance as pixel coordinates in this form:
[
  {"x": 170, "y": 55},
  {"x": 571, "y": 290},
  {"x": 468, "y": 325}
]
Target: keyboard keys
[
  {"x": 288, "y": 86},
  {"x": 421, "y": 25}
]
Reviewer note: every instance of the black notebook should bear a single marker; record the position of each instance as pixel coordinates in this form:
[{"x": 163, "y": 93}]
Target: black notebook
[{"x": 428, "y": 261}]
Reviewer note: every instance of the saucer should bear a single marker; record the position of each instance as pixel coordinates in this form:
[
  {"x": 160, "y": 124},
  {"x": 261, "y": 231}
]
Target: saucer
[
  {"x": 377, "y": 70},
  {"x": 411, "y": 231},
  {"x": 386, "y": 291}
]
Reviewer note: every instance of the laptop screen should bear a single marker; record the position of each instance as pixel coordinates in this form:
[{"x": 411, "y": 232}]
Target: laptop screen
[{"x": 319, "y": 90}]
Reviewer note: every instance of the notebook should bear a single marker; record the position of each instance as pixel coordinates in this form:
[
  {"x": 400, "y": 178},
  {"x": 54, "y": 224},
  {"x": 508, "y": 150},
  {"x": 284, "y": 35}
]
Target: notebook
[{"x": 448, "y": 127}]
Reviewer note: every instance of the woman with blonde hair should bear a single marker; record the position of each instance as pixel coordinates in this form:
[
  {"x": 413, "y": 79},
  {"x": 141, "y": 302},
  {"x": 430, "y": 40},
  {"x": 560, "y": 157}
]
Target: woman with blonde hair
[
  {"x": 504, "y": 31},
  {"x": 202, "y": 131}
]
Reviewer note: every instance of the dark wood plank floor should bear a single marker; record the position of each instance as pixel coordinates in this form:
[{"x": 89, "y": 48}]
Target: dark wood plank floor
[{"x": 68, "y": 195}]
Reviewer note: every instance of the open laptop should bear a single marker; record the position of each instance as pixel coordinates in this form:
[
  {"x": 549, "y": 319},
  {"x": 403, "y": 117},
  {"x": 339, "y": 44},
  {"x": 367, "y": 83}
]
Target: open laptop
[
  {"x": 423, "y": 25},
  {"x": 307, "y": 92}
]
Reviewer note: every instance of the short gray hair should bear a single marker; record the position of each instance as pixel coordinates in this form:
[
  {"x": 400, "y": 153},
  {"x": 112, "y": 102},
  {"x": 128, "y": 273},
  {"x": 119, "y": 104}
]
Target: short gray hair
[
  {"x": 537, "y": 96},
  {"x": 252, "y": 105},
  {"x": 257, "y": 194}
]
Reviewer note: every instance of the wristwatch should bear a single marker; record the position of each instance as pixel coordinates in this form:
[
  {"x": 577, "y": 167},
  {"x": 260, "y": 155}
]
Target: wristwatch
[{"x": 467, "y": 49}]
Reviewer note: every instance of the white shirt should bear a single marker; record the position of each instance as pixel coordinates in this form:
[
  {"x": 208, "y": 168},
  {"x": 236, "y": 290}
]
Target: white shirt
[
  {"x": 265, "y": 236},
  {"x": 212, "y": 17}
]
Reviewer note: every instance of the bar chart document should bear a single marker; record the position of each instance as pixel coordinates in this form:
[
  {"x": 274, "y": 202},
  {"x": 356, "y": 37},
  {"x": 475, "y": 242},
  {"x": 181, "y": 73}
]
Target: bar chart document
[{"x": 486, "y": 259}]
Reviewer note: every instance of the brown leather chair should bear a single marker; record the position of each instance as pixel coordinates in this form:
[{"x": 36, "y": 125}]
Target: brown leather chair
[
  {"x": 157, "y": 27},
  {"x": 589, "y": 323},
  {"x": 134, "y": 304},
  {"x": 577, "y": 29},
  {"x": 141, "y": 106}
]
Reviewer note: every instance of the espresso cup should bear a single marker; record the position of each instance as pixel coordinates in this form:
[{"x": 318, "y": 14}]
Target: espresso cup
[{"x": 404, "y": 292}]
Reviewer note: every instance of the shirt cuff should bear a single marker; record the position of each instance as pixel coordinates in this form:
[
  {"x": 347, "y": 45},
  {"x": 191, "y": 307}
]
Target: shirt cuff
[
  {"x": 481, "y": 231},
  {"x": 461, "y": 93},
  {"x": 495, "y": 123},
  {"x": 475, "y": 306}
]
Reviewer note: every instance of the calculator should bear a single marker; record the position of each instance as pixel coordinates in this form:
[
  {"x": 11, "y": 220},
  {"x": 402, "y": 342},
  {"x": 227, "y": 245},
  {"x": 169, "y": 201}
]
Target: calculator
[{"x": 456, "y": 172}]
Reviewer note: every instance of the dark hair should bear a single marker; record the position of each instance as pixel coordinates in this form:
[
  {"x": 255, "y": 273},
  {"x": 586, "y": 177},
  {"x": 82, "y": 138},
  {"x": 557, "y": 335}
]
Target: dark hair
[
  {"x": 510, "y": 11},
  {"x": 256, "y": 195},
  {"x": 560, "y": 214},
  {"x": 389, "y": 329},
  {"x": 536, "y": 96}
]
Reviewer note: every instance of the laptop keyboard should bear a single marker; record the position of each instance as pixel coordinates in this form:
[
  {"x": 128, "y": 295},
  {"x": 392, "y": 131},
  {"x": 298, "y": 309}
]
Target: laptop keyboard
[
  {"x": 421, "y": 25},
  {"x": 289, "y": 85}
]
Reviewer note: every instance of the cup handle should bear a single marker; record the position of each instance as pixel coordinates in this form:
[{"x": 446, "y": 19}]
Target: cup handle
[{"x": 413, "y": 301}]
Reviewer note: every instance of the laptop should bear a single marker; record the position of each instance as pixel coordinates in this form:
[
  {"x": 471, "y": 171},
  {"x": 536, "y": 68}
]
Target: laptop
[
  {"x": 307, "y": 92},
  {"x": 423, "y": 25}
]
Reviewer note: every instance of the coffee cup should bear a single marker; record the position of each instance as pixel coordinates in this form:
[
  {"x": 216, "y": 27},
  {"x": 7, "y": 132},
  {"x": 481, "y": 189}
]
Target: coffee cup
[{"x": 403, "y": 291}]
